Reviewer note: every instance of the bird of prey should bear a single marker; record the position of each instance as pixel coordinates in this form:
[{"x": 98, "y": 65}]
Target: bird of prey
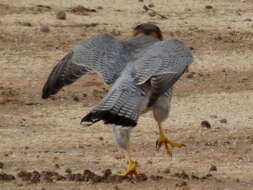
[{"x": 141, "y": 72}]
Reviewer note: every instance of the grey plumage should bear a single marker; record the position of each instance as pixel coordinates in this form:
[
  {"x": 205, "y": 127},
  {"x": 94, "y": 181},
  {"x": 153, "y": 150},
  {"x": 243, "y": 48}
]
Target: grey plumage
[
  {"x": 102, "y": 54},
  {"x": 140, "y": 71},
  {"x": 141, "y": 83}
]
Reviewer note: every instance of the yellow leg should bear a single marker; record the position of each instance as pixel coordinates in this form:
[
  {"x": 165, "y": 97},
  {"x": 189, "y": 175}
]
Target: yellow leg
[
  {"x": 164, "y": 140},
  {"x": 132, "y": 165}
]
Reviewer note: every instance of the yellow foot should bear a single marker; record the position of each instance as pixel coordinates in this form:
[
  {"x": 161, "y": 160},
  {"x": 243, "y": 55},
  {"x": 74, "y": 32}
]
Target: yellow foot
[
  {"x": 164, "y": 140},
  {"x": 131, "y": 171}
]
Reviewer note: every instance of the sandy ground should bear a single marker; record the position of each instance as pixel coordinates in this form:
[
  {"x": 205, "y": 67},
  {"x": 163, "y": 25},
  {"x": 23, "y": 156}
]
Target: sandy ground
[{"x": 44, "y": 135}]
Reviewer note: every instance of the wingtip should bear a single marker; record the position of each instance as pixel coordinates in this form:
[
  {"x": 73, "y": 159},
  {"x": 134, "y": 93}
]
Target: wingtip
[
  {"x": 84, "y": 124},
  {"x": 45, "y": 93}
]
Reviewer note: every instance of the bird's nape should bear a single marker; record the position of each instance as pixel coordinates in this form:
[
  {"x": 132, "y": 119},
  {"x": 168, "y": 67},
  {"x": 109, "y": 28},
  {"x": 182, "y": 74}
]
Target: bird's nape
[{"x": 149, "y": 30}]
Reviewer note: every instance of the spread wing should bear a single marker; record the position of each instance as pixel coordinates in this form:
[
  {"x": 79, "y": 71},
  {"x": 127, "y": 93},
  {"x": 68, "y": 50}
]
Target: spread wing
[
  {"x": 101, "y": 53},
  {"x": 162, "y": 64}
]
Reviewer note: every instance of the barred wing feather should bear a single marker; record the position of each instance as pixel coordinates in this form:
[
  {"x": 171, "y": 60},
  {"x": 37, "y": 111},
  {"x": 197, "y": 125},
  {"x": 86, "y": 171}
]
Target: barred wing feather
[
  {"x": 101, "y": 53},
  {"x": 162, "y": 64}
]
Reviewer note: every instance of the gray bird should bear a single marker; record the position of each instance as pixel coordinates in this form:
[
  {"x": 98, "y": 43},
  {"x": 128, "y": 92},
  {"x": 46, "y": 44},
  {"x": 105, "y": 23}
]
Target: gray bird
[{"x": 141, "y": 72}]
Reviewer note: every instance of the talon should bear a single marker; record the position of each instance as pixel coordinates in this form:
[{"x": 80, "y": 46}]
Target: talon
[
  {"x": 131, "y": 171},
  {"x": 158, "y": 145},
  {"x": 163, "y": 140},
  {"x": 168, "y": 151}
]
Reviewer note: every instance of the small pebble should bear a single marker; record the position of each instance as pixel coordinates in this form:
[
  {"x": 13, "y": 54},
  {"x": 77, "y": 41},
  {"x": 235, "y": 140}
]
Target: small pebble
[
  {"x": 166, "y": 171},
  {"x": 44, "y": 28},
  {"x": 223, "y": 121},
  {"x": 247, "y": 20},
  {"x": 61, "y": 15},
  {"x": 151, "y": 5},
  {"x": 213, "y": 168},
  {"x": 76, "y": 99},
  {"x": 206, "y": 124},
  {"x": 208, "y": 6},
  {"x": 68, "y": 170}
]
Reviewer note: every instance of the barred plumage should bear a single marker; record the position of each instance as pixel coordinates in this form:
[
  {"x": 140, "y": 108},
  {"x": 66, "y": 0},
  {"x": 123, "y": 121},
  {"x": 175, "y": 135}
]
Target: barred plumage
[{"x": 140, "y": 70}]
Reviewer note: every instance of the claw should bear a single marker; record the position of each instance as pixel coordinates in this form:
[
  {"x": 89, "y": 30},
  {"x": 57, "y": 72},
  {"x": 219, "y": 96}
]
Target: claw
[
  {"x": 131, "y": 171},
  {"x": 164, "y": 140}
]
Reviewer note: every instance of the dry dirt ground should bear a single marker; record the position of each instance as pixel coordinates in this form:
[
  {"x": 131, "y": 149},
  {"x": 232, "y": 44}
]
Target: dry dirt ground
[{"x": 44, "y": 135}]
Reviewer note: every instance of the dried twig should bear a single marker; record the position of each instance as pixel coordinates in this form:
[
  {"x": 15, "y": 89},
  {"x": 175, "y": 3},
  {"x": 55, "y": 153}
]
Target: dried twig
[{"x": 146, "y": 8}]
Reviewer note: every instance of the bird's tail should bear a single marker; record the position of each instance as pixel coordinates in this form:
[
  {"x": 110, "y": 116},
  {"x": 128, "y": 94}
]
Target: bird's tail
[{"x": 121, "y": 106}]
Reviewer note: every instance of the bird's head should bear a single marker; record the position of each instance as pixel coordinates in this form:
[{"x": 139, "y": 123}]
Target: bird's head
[{"x": 149, "y": 30}]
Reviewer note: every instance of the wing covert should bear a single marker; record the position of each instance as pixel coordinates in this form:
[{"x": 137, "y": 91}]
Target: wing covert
[
  {"x": 162, "y": 64},
  {"x": 161, "y": 58}
]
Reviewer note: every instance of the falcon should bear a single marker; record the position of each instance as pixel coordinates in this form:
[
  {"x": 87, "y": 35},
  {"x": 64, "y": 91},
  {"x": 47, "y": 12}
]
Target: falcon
[{"x": 140, "y": 72}]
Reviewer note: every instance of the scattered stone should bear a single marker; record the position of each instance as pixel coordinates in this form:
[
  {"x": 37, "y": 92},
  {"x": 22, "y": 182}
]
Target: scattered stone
[
  {"x": 152, "y": 14},
  {"x": 81, "y": 10},
  {"x": 208, "y": 6},
  {"x": 6, "y": 177},
  {"x": 27, "y": 147},
  {"x": 238, "y": 12},
  {"x": 247, "y": 20},
  {"x": 1, "y": 165},
  {"x": 206, "y": 176},
  {"x": 61, "y": 15},
  {"x": 183, "y": 186},
  {"x": 35, "y": 177},
  {"x": 182, "y": 175},
  {"x": 156, "y": 178},
  {"x": 187, "y": 9},
  {"x": 100, "y": 7},
  {"x": 166, "y": 171},
  {"x": 151, "y": 5},
  {"x": 44, "y": 28},
  {"x": 194, "y": 177},
  {"x": 76, "y": 99},
  {"x": 190, "y": 75},
  {"x": 107, "y": 173},
  {"x": 219, "y": 38},
  {"x": 206, "y": 124},
  {"x": 44, "y": 6},
  {"x": 223, "y": 121},
  {"x": 149, "y": 162},
  {"x": 28, "y": 24},
  {"x": 213, "y": 168},
  {"x": 68, "y": 170},
  {"x": 142, "y": 177}
]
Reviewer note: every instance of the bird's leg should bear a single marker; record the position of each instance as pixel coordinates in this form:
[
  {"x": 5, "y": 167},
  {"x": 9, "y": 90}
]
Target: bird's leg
[
  {"x": 122, "y": 137},
  {"x": 132, "y": 165},
  {"x": 164, "y": 140}
]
